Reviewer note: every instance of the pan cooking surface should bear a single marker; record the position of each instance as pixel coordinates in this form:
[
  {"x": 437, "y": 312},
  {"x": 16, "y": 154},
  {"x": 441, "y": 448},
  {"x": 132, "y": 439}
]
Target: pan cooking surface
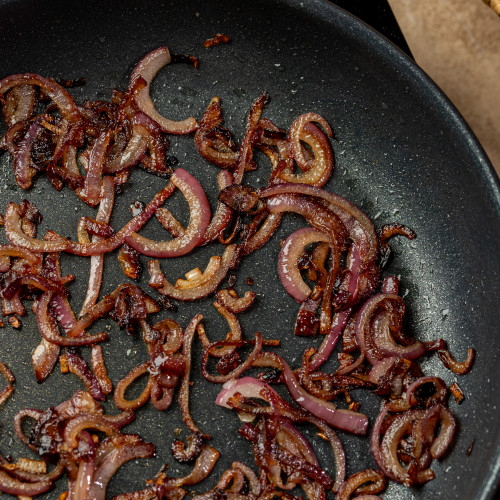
[{"x": 402, "y": 155}]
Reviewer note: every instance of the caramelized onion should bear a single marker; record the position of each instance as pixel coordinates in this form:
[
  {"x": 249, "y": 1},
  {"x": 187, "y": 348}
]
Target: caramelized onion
[
  {"x": 19, "y": 104},
  {"x": 347, "y": 420},
  {"x": 198, "y": 222},
  {"x": 209, "y": 286},
  {"x": 373, "y": 333},
  {"x": 147, "y": 68},
  {"x": 290, "y": 252},
  {"x": 91, "y": 148},
  {"x": 455, "y": 366},
  {"x": 230, "y": 300},
  {"x": 58, "y": 94}
]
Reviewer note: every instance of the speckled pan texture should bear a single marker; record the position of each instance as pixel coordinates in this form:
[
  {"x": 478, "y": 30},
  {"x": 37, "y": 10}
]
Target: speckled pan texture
[{"x": 402, "y": 154}]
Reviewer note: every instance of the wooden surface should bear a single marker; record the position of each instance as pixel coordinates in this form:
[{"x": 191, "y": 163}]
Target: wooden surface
[{"x": 457, "y": 43}]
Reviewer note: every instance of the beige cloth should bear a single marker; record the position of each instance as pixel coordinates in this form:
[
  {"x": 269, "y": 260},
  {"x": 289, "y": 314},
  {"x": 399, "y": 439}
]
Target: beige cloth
[{"x": 457, "y": 43}]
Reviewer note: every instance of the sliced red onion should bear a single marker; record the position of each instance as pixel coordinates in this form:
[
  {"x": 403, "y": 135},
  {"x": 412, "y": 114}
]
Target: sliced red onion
[
  {"x": 156, "y": 276},
  {"x": 400, "y": 426},
  {"x": 288, "y": 432},
  {"x": 354, "y": 484},
  {"x": 99, "y": 369},
  {"x": 248, "y": 387},
  {"x": 56, "y": 92},
  {"x": 84, "y": 421},
  {"x": 147, "y": 68},
  {"x": 119, "y": 395},
  {"x": 194, "y": 233},
  {"x": 328, "y": 345},
  {"x": 97, "y": 261},
  {"x": 169, "y": 222},
  {"x": 292, "y": 249},
  {"x": 213, "y": 142},
  {"x": 23, "y": 169},
  {"x": 235, "y": 331},
  {"x": 79, "y": 367},
  {"x": 359, "y": 226},
  {"x": 451, "y": 363},
  {"x": 348, "y": 368},
  {"x": 438, "y": 413},
  {"x": 229, "y": 299},
  {"x": 440, "y": 390},
  {"x": 15, "y": 251},
  {"x": 318, "y": 170},
  {"x": 133, "y": 151},
  {"x": 294, "y": 137},
  {"x": 320, "y": 217},
  {"x": 307, "y": 321},
  {"x": 13, "y": 306},
  {"x": 50, "y": 331},
  {"x": 15, "y": 234},
  {"x": 223, "y": 213},
  {"x": 79, "y": 486},
  {"x": 390, "y": 285},
  {"x": 189, "y": 334},
  {"x": 92, "y": 186},
  {"x": 44, "y": 357},
  {"x": 63, "y": 313},
  {"x": 381, "y": 368},
  {"x": 341, "y": 318},
  {"x": 262, "y": 235},
  {"x": 19, "y": 104},
  {"x": 218, "y": 379},
  {"x": 373, "y": 333},
  {"x": 32, "y": 475},
  {"x": 190, "y": 294},
  {"x": 12, "y": 486},
  {"x": 347, "y": 420},
  {"x": 5, "y": 393},
  {"x": 128, "y": 447},
  {"x": 202, "y": 468},
  {"x": 385, "y": 342},
  {"x": 245, "y": 157}
]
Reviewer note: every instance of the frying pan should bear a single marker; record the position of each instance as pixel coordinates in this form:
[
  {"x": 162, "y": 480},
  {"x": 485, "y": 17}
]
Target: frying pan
[{"x": 402, "y": 152}]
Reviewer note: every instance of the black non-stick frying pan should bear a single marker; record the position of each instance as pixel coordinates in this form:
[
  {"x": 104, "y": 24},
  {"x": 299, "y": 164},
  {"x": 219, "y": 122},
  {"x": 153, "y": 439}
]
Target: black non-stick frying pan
[{"x": 402, "y": 153}]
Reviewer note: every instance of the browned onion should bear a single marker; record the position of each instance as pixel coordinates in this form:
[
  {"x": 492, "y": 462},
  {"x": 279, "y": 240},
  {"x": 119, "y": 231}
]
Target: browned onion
[
  {"x": 119, "y": 395},
  {"x": 238, "y": 370},
  {"x": 13, "y": 486},
  {"x": 97, "y": 261},
  {"x": 107, "y": 139},
  {"x": 455, "y": 366},
  {"x": 19, "y": 104},
  {"x": 245, "y": 157},
  {"x": 290, "y": 252},
  {"x": 214, "y": 142},
  {"x": 189, "y": 334},
  {"x": 147, "y": 68},
  {"x": 208, "y": 287},
  {"x": 58, "y": 94},
  {"x": 354, "y": 484},
  {"x": 230, "y": 300},
  {"x": 194, "y": 233}
]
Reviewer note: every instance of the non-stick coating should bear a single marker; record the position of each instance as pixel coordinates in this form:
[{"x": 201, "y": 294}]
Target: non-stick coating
[{"x": 402, "y": 154}]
